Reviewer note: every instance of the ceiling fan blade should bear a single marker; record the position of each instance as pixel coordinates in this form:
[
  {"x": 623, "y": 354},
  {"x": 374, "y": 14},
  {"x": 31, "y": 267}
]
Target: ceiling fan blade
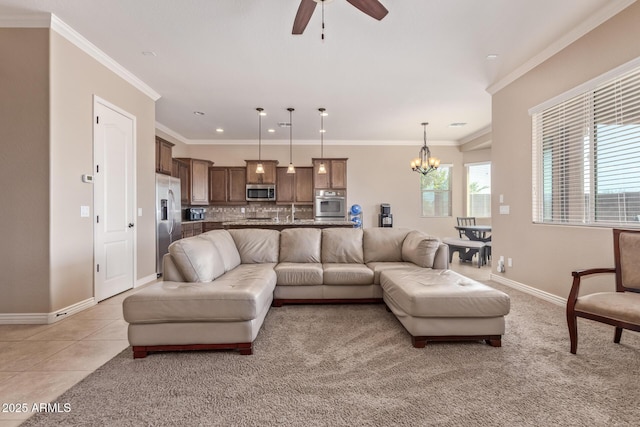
[
  {"x": 373, "y": 8},
  {"x": 305, "y": 10}
]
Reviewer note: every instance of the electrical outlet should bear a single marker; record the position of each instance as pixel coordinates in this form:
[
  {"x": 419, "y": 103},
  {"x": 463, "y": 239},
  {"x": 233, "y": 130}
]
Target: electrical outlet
[
  {"x": 509, "y": 262},
  {"x": 500, "y": 267}
]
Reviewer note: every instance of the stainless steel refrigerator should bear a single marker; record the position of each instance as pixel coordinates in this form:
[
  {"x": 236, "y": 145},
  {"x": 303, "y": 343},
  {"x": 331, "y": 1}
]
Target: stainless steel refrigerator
[{"x": 168, "y": 215}]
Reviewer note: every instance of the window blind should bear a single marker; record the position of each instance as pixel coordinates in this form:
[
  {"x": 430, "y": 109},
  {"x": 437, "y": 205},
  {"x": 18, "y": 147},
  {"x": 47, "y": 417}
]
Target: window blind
[{"x": 586, "y": 156}]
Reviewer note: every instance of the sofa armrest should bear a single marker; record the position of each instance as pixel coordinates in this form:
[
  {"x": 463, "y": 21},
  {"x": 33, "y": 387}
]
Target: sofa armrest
[{"x": 441, "y": 261}]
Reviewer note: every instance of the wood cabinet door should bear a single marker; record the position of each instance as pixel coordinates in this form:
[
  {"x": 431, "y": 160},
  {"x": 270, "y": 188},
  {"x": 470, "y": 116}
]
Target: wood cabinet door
[
  {"x": 321, "y": 181},
  {"x": 304, "y": 185},
  {"x": 199, "y": 182},
  {"x": 181, "y": 170},
  {"x": 237, "y": 185},
  {"x": 338, "y": 173},
  {"x": 269, "y": 175},
  {"x": 285, "y": 187},
  {"x": 164, "y": 161},
  {"x": 217, "y": 185}
]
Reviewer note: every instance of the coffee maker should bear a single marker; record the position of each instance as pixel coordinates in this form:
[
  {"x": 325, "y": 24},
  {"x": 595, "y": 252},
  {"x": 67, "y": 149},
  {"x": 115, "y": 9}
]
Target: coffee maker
[{"x": 385, "y": 218}]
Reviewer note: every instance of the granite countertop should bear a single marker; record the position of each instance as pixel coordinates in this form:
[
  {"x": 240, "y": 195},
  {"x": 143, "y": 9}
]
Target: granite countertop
[{"x": 298, "y": 222}]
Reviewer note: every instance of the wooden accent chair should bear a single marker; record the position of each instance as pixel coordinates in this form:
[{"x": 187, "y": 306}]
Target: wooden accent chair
[
  {"x": 468, "y": 220},
  {"x": 620, "y": 308}
]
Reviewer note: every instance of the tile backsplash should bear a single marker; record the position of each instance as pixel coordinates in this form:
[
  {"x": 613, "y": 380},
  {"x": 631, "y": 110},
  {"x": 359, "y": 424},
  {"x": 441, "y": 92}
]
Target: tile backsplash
[{"x": 270, "y": 211}]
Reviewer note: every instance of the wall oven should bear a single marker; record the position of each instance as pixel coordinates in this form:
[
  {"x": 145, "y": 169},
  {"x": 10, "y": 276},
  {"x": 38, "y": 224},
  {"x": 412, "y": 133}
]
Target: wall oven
[
  {"x": 330, "y": 205},
  {"x": 261, "y": 192}
]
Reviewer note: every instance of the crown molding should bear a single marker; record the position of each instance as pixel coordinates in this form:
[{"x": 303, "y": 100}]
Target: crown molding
[{"x": 598, "y": 18}]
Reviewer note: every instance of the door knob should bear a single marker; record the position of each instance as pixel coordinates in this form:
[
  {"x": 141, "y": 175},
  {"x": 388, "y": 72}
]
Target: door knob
[{"x": 130, "y": 225}]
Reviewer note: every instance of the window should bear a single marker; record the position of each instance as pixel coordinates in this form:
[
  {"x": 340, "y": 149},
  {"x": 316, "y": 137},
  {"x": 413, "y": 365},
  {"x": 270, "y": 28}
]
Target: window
[
  {"x": 436, "y": 192},
  {"x": 479, "y": 190},
  {"x": 586, "y": 154}
]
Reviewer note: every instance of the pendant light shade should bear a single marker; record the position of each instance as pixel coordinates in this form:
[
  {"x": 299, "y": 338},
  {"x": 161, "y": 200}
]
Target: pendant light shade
[
  {"x": 291, "y": 168},
  {"x": 259, "y": 167},
  {"x": 322, "y": 170}
]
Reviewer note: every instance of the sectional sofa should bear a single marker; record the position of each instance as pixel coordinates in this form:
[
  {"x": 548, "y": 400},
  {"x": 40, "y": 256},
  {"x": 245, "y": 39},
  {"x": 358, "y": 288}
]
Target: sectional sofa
[{"x": 218, "y": 287}]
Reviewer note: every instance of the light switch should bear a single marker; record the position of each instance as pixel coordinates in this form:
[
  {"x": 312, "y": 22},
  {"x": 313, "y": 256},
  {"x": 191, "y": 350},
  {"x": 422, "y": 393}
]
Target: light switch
[
  {"x": 84, "y": 211},
  {"x": 504, "y": 209},
  {"x": 139, "y": 211},
  {"x": 502, "y": 198}
]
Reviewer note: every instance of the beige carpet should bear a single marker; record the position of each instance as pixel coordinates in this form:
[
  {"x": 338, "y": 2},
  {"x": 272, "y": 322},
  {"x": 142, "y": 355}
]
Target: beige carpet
[{"x": 354, "y": 365}]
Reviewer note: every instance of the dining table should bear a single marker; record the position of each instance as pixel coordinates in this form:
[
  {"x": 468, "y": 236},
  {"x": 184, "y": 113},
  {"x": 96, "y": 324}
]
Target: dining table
[{"x": 479, "y": 233}]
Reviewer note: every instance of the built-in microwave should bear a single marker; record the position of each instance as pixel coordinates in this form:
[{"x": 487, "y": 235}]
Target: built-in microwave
[{"x": 261, "y": 192}]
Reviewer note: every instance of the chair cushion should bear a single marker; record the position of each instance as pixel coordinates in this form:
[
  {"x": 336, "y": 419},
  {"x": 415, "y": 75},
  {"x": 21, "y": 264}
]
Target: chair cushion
[
  {"x": 342, "y": 245},
  {"x": 420, "y": 249},
  {"x": 347, "y": 274},
  {"x": 622, "y": 306},
  {"x": 256, "y": 245},
  {"x": 226, "y": 246},
  {"x": 629, "y": 265},
  {"x": 383, "y": 244},
  {"x": 297, "y": 274},
  {"x": 197, "y": 259},
  {"x": 300, "y": 245}
]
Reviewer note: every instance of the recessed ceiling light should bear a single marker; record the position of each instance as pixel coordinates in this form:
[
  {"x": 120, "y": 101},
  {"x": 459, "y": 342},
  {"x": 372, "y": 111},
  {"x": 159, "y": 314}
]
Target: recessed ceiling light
[
  {"x": 492, "y": 56},
  {"x": 149, "y": 53},
  {"x": 198, "y": 113},
  {"x": 271, "y": 130},
  {"x": 323, "y": 131},
  {"x": 219, "y": 130},
  {"x": 457, "y": 125}
]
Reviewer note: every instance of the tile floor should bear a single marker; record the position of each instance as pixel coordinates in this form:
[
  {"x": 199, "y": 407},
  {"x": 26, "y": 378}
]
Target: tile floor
[{"x": 40, "y": 362}]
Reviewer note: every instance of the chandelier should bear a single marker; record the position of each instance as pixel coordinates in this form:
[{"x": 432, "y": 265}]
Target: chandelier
[{"x": 424, "y": 163}]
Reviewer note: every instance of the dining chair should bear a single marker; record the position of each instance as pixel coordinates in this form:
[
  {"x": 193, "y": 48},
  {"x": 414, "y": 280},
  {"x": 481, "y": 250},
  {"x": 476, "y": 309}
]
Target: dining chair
[
  {"x": 621, "y": 308},
  {"x": 465, "y": 220}
]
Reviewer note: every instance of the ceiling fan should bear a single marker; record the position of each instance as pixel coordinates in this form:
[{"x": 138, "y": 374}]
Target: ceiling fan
[{"x": 372, "y": 8}]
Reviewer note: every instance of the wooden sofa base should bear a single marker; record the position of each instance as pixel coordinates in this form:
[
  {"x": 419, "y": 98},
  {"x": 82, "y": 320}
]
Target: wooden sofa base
[
  {"x": 279, "y": 302},
  {"x": 492, "y": 340},
  {"x": 141, "y": 351}
]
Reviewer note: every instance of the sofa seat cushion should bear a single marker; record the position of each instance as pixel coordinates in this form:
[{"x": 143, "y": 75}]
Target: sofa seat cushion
[
  {"x": 296, "y": 274},
  {"x": 347, "y": 274},
  {"x": 197, "y": 259},
  {"x": 342, "y": 245},
  {"x": 379, "y": 267},
  {"x": 300, "y": 245},
  {"x": 238, "y": 295},
  {"x": 442, "y": 293}
]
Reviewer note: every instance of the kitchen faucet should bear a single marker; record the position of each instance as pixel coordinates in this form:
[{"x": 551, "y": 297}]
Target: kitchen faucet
[{"x": 293, "y": 211}]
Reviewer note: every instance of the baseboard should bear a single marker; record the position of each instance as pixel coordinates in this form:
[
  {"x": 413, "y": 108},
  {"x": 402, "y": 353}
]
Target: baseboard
[
  {"x": 144, "y": 280},
  {"x": 45, "y": 318},
  {"x": 554, "y": 299}
]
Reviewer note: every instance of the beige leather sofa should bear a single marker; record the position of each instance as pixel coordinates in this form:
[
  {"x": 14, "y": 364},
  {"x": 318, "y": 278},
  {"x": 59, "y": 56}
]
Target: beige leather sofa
[{"x": 218, "y": 287}]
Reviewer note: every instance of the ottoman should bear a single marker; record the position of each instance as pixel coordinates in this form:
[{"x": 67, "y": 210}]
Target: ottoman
[{"x": 442, "y": 305}]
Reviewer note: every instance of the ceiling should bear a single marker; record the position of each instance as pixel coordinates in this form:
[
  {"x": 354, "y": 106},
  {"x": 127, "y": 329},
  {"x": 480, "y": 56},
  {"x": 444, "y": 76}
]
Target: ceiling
[{"x": 425, "y": 61}]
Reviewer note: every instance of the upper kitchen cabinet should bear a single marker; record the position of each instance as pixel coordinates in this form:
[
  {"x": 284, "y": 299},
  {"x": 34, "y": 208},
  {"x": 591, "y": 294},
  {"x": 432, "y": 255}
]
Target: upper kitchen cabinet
[
  {"x": 336, "y": 176},
  {"x": 194, "y": 181},
  {"x": 227, "y": 185},
  {"x": 295, "y": 187},
  {"x": 164, "y": 160},
  {"x": 269, "y": 175}
]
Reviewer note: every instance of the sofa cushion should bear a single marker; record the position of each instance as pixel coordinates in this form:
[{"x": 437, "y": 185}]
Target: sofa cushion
[
  {"x": 256, "y": 245},
  {"x": 298, "y": 274},
  {"x": 240, "y": 294},
  {"x": 347, "y": 274},
  {"x": 226, "y": 246},
  {"x": 380, "y": 266},
  {"x": 300, "y": 245},
  {"x": 197, "y": 259},
  {"x": 383, "y": 244},
  {"x": 342, "y": 245},
  {"x": 420, "y": 249}
]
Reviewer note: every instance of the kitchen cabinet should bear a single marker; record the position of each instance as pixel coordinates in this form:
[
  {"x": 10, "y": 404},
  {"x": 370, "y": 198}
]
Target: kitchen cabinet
[
  {"x": 190, "y": 229},
  {"x": 164, "y": 161},
  {"x": 269, "y": 175},
  {"x": 194, "y": 181},
  {"x": 336, "y": 176},
  {"x": 227, "y": 185},
  {"x": 296, "y": 187}
]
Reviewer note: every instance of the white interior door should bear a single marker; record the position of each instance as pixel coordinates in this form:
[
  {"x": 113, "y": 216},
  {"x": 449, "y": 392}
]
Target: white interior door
[{"x": 114, "y": 203}]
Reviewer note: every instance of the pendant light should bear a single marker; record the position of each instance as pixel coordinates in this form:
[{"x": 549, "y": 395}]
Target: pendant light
[
  {"x": 322, "y": 170},
  {"x": 424, "y": 163},
  {"x": 291, "y": 168},
  {"x": 259, "y": 167}
]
